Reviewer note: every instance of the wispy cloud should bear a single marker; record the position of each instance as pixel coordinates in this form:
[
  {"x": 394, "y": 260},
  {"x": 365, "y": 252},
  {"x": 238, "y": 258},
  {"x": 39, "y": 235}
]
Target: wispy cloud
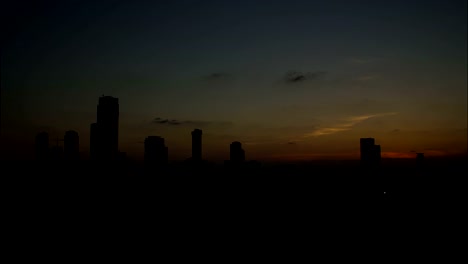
[
  {"x": 218, "y": 76},
  {"x": 297, "y": 76},
  {"x": 159, "y": 120},
  {"x": 346, "y": 124},
  {"x": 327, "y": 131}
]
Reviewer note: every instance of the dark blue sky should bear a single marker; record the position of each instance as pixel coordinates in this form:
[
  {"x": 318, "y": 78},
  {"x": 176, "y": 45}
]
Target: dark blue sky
[{"x": 308, "y": 72}]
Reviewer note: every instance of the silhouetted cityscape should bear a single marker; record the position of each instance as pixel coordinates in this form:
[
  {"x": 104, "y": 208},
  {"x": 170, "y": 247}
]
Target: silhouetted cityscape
[
  {"x": 104, "y": 138},
  {"x": 176, "y": 120},
  {"x": 393, "y": 176}
]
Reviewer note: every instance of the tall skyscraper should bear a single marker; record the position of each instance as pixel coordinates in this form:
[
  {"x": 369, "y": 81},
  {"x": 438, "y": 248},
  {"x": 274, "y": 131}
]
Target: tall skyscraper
[
  {"x": 370, "y": 153},
  {"x": 104, "y": 138},
  {"x": 108, "y": 126},
  {"x": 197, "y": 145},
  {"x": 156, "y": 152},
  {"x": 42, "y": 146},
  {"x": 71, "y": 145},
  {"x": 236, "y": 153},
  {"x": 367, "y": 144}
]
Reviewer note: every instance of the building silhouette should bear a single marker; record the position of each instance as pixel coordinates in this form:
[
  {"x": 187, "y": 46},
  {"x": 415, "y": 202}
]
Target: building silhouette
[
  {"x": 197, "y": 145},
  {"x": 370, "y": 153},
  {"x": 236, "y": 153},
  {"x": 104, "y": 134},
  {"x": 156, "y": 152},
  {"x": 71, "y": 145},
  {"x": 42, "y": 146}
]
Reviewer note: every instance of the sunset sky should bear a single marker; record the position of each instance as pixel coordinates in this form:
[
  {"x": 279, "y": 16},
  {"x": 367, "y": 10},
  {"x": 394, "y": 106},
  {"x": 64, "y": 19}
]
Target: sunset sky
[{"x": 291, "y": 80}]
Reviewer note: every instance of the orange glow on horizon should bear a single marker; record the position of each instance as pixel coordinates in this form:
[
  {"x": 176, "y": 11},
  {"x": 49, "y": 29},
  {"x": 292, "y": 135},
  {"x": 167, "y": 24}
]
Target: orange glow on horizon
[
  {"x": 412, "y": 155},
  {"x": 316, "y": 156},
  {"x": 352, "y": 156}
]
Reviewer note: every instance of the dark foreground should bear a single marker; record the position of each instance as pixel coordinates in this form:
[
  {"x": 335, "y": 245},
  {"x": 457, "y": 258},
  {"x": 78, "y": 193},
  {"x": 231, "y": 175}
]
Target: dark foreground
[
  {"x": 186, "y": 204},
  {"x": 252, "y": 186}
]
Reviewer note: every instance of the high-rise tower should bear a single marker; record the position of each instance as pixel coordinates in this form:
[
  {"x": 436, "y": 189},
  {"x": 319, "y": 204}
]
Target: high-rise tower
[
  {"x": 197, "y": 145},
  {"x": 236, "y": 153},
  {"x": 104, "y": 137},
  {"x": 156, "y": 152},
  {"x": 370, "y": 153}
]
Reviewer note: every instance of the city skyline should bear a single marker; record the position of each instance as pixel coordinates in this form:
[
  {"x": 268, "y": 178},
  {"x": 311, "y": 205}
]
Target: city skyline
[
  {"x": 290, "y": 80},
  {"x": 104, "y": 144}
]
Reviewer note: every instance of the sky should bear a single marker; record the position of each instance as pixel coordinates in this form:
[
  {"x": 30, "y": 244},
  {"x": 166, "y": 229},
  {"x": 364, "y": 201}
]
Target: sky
[{"x": 290, "y": 80}]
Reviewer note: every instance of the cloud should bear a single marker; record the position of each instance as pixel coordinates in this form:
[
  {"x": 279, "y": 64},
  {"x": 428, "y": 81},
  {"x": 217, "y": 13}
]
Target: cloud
[
  {"x": 291, "y": 143},
  {"x": 327, "y": 131},
  {"x": 159, "y": 120},
  {"x": 175, "y": 122},
  {"x": 296, "y": 76},
  {"x": 215, "y": 76},
  {"x": 346, "y": 124}
]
